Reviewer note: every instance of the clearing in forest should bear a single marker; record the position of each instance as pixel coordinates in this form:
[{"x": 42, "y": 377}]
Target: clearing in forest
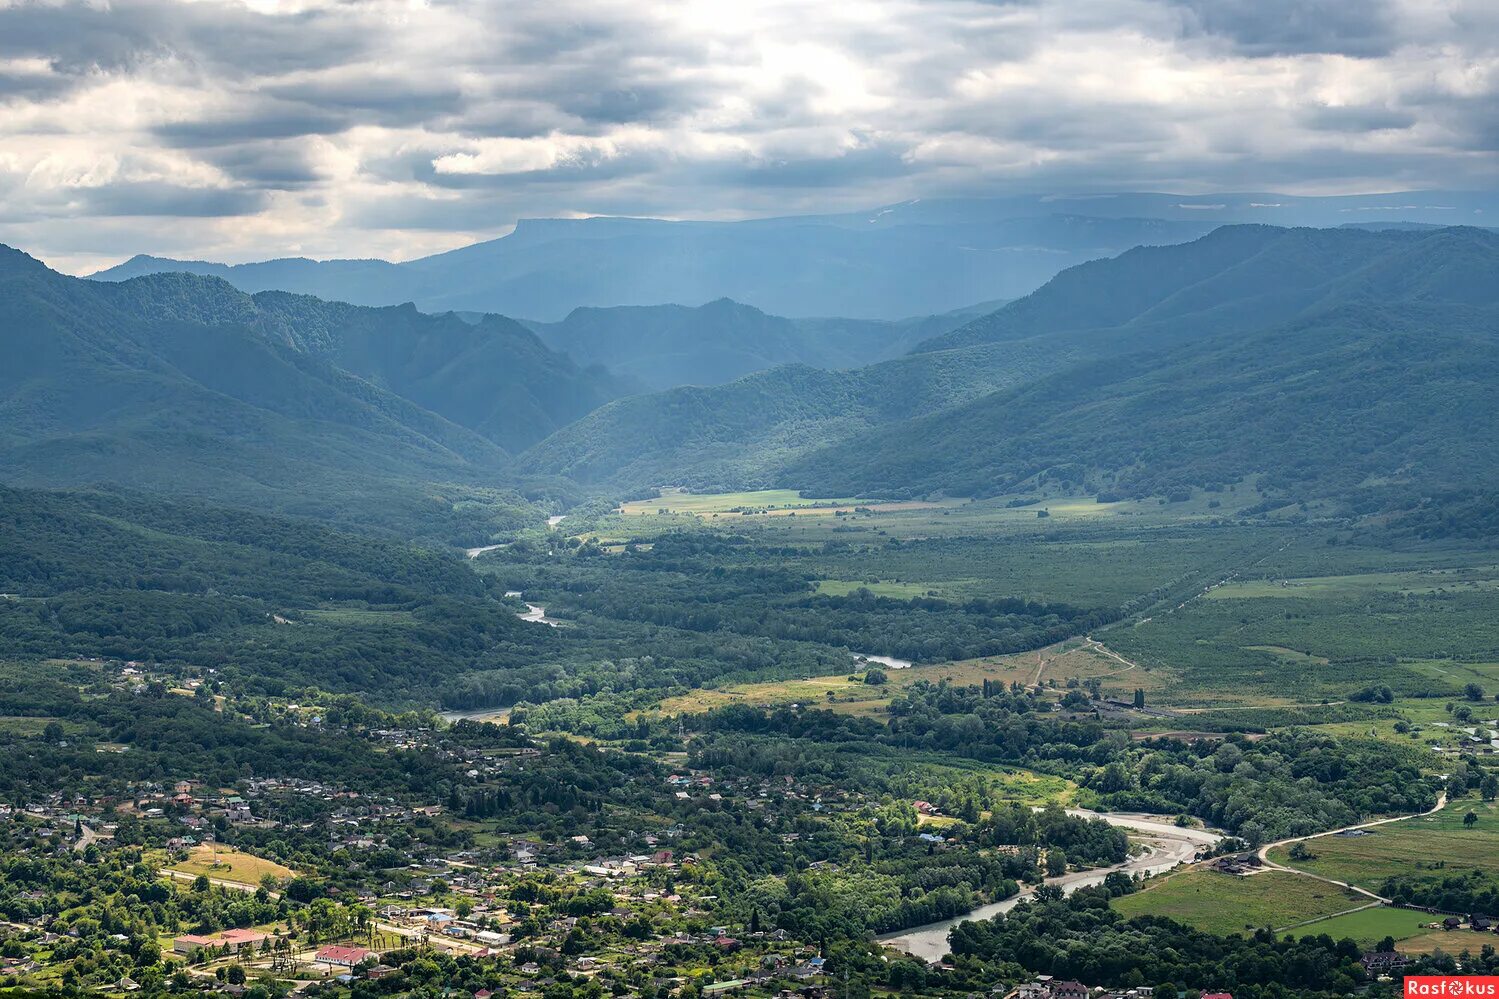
[{"x": 225, "y": 863}]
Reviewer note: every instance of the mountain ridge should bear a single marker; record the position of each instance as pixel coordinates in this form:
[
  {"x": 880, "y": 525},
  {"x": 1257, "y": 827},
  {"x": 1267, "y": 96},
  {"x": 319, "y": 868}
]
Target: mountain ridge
[
  {"x": 164, "y": 385},
  {"x": 1166, "y": 305}
]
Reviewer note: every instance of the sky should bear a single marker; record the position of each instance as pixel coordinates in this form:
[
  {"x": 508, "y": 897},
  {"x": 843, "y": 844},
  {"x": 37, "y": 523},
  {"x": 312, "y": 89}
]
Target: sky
[{"x": 244, "y": 129}]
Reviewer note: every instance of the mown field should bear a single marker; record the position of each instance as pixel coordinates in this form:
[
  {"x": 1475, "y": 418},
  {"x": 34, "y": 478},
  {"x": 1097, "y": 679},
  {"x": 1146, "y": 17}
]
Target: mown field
[
  {"x": 1369, "y": 926},
  {"x": 228, "y": 864},
  {"x": 1223, "y": 903},
  {"x": 1411, "y": 931}
]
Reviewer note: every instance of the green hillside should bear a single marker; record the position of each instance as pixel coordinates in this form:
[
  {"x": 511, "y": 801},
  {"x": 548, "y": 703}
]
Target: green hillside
[
  {"x": 1244, "y": 278},
  {"x": 1355, "y": 406},
  {"x": 740, "y": 434},
  {"x": 163, "y": 388},
  {"x": 1337, "y": 364},
  {"x": 663, "y": 346},
  {"x": 272, "y": 602},
  {"x": 493, "y": 376}
]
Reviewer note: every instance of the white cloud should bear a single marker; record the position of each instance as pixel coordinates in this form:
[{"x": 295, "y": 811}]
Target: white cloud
[{"x": 395, "y": 127}]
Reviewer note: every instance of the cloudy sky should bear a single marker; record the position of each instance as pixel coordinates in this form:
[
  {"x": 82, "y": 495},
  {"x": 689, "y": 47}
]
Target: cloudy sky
[{"x": 241, "y": 129}]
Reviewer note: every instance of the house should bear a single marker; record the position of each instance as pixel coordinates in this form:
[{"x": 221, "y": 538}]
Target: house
[
  {"x": 344, "y": 957},
  {"x": 726, "y": 944},
  {"x": 235, "y": 940},
  {"x": 926, "y": 808},
  {"x": 1069, "y": 990},
  {"x": 1239, "y": 864},
  {"x": 1451, "y": 923},
  {"x": 1377, "y": 961},
  {"x": 1480, "y": 922},
  {"x": 380, "y": 971},
  {"x": 239, "y": 940}
]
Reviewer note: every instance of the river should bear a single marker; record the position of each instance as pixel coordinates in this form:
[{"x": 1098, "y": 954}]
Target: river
[
  {"x": 497, "y": 715},
  {"x": 473, "y": 553},
  {"x": 538, "y": 613},
  {"x": 1166, "y": 846},
  {"x": 889, "y": 662}
]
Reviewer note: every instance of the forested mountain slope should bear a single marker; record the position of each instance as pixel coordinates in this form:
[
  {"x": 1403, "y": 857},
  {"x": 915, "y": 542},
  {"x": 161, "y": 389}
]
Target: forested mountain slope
[
  {"x": 1244, "y": 278},
  {"x": 166, "y": 385},
  {"x": 1120, "y": 375},
  {"x": 739, "y": 434},
  {"x": 274, "y": 603},
  {"x": 1353, "y": 406},
  {"x": 663, "y": 346},
  {"x": 492, "y": 376}
]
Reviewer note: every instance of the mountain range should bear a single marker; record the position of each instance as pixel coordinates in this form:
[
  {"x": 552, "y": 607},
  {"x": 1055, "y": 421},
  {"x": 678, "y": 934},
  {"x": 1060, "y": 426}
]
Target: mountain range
[
  {"x": 182, "y": 384},
  {"x": 1350, "y": 367},
  {"x": 915, "y": 258},
  {"x": 663, "y": 346},
  {"x": 1323, "y": 363}
]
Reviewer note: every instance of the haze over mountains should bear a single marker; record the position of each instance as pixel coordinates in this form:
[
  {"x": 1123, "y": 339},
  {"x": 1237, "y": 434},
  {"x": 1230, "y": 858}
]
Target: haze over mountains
[{"x": 915, "y": 258}]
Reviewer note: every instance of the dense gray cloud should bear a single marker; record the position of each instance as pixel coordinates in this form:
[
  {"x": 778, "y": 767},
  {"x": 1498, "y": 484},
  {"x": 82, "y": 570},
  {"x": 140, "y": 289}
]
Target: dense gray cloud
[
  {"x": 1296, "y": 27},
  {"x": 239, "y": 129}
]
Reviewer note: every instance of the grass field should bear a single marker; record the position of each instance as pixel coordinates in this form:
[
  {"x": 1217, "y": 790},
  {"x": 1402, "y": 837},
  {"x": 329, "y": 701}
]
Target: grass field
[
  {"x": 1066, "y": 661},
  {"x": 1222, "y": 903},
  {"x": 761, "y": 501},
  {"x": 228, "y": 864},
  {"x": 916, "y": 774},
  {"x": 30, "y": 726},
  {"x": 847, "y": 697},
  {"x": 1423, "y": 623},
  {"x": 880, "y": 588},
  {"x": 1370, "y": 926},
  {"x": 1408, "y": 847}
]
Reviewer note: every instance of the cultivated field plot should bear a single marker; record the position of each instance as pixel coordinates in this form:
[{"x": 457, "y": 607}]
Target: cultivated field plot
[
  {"x": 225, "y": 863},
  {"x": 765, "y": 502},
  {"x": 1278, "y": 638},
  {"x": 1223, "y": 903},
  {"x": 1084, "y": 564},
  {"x": 1436, "y": 845},
  {"x": 1070, "y": 660},
  {"x": 837, "y": 693}
]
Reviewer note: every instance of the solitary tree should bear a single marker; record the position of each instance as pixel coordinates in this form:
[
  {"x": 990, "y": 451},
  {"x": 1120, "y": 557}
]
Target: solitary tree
[
  {"x": 1489, "y": 787},
  {"x": 1139, "y": 698},
  {"x": 1470, "y": 820}
]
